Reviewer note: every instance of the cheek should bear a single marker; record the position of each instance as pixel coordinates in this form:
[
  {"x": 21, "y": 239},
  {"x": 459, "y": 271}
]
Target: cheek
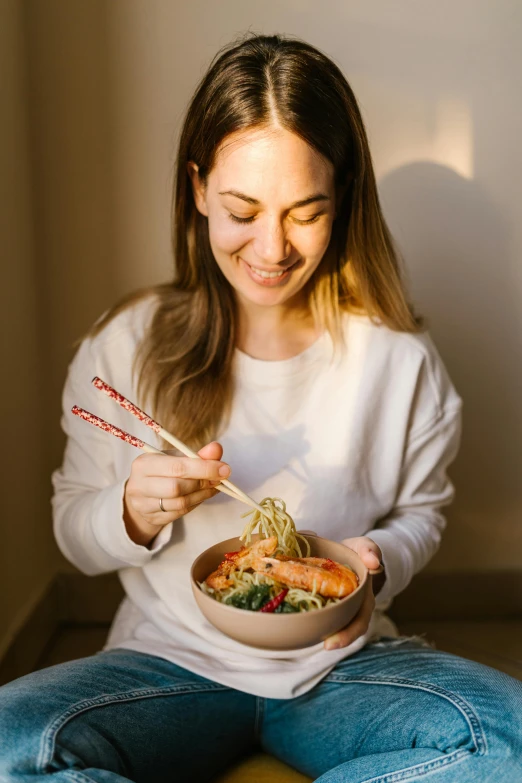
[
  {"x": 312, "y": 243},
  {"x": 225, "y": 236}
]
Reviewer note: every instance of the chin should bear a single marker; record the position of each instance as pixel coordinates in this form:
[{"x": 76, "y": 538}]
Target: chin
[{"x": 266, "y": 298}]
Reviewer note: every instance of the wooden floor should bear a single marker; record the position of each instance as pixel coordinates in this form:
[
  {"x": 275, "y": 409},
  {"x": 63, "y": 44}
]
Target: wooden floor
[{"x": 497, "y": 644}]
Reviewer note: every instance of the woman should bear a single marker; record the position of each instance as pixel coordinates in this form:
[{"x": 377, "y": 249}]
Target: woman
[{"x": 286, "y": 334}]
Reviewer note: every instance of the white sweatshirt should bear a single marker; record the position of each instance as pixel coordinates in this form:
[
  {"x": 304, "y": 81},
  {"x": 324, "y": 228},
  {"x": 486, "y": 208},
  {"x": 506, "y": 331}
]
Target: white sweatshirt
[{"x": 355, "y": 443}]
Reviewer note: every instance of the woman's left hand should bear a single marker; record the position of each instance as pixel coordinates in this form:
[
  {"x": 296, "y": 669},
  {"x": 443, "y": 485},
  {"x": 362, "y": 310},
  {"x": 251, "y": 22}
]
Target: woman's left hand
[{"x": 371, "y": 556}]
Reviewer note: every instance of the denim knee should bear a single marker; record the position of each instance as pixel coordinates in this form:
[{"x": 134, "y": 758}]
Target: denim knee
[
  {"x": 40, "y": 731},
  {"x": 22, "y": 725},
  {"x": 488, "y": 700}
]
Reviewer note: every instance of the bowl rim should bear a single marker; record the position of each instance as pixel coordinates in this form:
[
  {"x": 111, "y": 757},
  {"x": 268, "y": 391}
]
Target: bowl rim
[{"x": 294, "y": 615}]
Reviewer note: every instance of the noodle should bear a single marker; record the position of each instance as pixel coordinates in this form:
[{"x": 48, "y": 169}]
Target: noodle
[
  {"x": 274, "y": 521},
  {"x": 301, "y": 600}
]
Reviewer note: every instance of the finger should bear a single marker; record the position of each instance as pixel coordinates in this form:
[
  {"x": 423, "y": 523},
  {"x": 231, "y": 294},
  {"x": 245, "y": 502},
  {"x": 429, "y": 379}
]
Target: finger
[
  {"x": 370, "y": 558},
  {"x": 212, "y": 450},
  {"x": 185, "y": 467},
  {"x": 348, "y": 635},
  {"x": 369, "y": 552},
  {"x": 184, "y": 503},
  {"x": 168, "y": 488},
  {"x": 356, "y": 628}
]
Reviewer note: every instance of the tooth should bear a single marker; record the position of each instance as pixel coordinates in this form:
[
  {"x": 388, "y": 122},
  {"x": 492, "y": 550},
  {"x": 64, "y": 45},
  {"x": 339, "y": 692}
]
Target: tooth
[{"x": 264, "y": 274}]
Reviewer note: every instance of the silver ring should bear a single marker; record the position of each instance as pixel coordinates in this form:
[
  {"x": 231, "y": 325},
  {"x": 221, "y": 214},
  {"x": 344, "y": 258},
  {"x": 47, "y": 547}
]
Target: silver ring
[{"x": 161, "y": 506}]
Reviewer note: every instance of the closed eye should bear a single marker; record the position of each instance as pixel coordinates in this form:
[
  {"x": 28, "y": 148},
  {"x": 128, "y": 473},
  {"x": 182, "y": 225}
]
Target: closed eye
[
  {"x": 310, "y": 220},
  {"x": 237, "y": 219}
]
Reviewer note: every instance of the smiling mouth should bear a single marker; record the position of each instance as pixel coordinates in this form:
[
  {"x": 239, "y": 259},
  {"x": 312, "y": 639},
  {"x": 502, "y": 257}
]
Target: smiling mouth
[
  {"x": 267, "y": 279},
  {"x": 262, "y": 273}
]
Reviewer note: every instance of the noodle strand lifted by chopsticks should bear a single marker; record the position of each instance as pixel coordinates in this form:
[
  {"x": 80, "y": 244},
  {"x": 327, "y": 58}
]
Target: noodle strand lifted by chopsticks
[{"x": 275, "y": 521}]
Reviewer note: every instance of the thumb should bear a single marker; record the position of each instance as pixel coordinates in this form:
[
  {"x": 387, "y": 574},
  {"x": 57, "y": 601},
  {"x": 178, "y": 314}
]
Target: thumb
[
  {"x": 212, "y": 450},
  {"x": 369, "y": 552}
]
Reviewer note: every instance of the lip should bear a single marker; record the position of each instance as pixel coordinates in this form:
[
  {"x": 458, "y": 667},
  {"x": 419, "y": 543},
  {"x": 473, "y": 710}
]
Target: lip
[{"x": 269, "y": 282}]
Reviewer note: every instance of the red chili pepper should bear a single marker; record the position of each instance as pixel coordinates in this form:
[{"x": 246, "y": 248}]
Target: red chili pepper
[{"x": 272, "y": 605}]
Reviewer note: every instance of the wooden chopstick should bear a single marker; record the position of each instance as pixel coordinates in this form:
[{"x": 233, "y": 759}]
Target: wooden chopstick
[
  {"x": 149, "y": 422},
  {"x": 133, "y": 440}
]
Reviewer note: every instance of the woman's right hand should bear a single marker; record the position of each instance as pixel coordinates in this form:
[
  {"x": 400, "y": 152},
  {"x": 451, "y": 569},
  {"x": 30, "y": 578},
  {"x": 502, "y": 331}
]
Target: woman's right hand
[{"x": 182, "y": 483}]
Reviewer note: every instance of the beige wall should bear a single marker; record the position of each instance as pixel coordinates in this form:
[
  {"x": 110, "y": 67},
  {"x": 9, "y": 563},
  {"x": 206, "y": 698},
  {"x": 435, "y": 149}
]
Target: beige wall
[
  {"x": 28, "y": 557},
  {"x": 108, "y": 82}
]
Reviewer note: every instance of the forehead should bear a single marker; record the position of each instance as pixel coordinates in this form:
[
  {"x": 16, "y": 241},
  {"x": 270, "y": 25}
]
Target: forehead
[{"x": 267, "y": 162}]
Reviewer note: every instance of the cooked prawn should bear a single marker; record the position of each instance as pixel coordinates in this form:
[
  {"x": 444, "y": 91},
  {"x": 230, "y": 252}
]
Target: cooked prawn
[
  {"x": 241, "y": 560},
  {"x": 314, "y": 574}
]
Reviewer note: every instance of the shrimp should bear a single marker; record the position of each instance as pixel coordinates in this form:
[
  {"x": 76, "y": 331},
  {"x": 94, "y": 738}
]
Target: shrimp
[
  {"x": 234, "y": 561},
  {"x": 314, "y": 574}
]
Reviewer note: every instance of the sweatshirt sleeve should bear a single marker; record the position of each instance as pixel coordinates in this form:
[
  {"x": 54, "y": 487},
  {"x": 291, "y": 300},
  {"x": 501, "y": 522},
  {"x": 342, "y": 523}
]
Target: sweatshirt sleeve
[
  {"x": 88, "y": 493},
  {"x": 410, "y": 534}
]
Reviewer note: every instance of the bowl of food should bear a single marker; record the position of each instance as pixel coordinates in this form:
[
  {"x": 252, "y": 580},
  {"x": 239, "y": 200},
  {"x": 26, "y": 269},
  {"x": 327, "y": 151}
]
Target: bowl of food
[{"x": 278, "y": 589}]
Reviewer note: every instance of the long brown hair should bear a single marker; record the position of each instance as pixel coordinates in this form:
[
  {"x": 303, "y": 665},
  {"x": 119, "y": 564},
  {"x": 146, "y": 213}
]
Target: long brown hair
[{"x": 185, "y": 361}]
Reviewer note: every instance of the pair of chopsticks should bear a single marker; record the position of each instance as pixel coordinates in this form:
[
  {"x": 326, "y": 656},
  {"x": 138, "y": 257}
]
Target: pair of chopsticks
[{"x": 225, "y": 486}]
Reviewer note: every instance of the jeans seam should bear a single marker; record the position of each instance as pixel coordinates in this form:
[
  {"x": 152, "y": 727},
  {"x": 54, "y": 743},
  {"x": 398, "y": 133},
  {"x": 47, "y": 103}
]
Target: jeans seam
[
  {"x": 47, "y": 743},
  {"x": 419, "y": 769},
  {"x": 77, "y": 776},
  {"x": 260, "y": 711},
  {"x": 477, "y": 733},
  {"x": 425, "y": 651}
]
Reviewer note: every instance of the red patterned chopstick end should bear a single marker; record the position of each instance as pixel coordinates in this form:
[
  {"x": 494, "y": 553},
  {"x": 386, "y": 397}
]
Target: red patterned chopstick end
[
  {"x": 106, "y": 427},
  {"x": 127, "y": 404}
]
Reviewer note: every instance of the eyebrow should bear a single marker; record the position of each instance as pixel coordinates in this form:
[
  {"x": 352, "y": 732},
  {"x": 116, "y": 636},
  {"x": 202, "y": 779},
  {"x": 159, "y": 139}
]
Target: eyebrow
[{"x": 303, "y": 203}]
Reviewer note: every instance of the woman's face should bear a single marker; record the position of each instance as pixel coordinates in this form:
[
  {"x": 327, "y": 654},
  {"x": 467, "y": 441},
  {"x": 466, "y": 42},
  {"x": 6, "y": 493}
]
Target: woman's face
[{"x": 270, "y": 203}]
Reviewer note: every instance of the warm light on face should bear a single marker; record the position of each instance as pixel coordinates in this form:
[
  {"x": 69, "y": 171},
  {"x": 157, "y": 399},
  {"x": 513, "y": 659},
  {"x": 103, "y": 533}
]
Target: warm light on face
[{"x": 270, "y": 203}]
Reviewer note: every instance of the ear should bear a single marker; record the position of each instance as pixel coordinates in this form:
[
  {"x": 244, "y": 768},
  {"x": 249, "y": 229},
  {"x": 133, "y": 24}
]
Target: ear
[{"x": 198, "y": 188}]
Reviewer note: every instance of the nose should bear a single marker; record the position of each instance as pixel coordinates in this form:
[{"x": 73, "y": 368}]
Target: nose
[{"x": 271, "y": 244}]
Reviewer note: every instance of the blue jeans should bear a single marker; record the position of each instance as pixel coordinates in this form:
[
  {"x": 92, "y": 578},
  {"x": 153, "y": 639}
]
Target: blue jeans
[{"x": 396, "y": 711}]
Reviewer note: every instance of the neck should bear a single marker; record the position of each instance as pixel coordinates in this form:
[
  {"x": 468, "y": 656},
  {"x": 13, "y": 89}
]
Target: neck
[{"x": 274, "y": 333}]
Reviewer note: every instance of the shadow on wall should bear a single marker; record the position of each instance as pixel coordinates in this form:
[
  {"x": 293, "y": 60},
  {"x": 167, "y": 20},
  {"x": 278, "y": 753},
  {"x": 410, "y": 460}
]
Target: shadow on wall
[
  {"x": 455, "y": 245},
  {"x": 70, "y": 99}
]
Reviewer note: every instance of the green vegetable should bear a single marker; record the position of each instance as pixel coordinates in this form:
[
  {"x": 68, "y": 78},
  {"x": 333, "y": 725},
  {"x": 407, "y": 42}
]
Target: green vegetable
[
  {"x": 286, "y": 608},
  {"x": 254, "y": 599}
]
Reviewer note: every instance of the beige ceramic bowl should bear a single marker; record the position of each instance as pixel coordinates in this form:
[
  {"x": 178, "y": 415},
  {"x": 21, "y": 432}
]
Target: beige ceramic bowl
[{"x": 280, "y": 631}]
